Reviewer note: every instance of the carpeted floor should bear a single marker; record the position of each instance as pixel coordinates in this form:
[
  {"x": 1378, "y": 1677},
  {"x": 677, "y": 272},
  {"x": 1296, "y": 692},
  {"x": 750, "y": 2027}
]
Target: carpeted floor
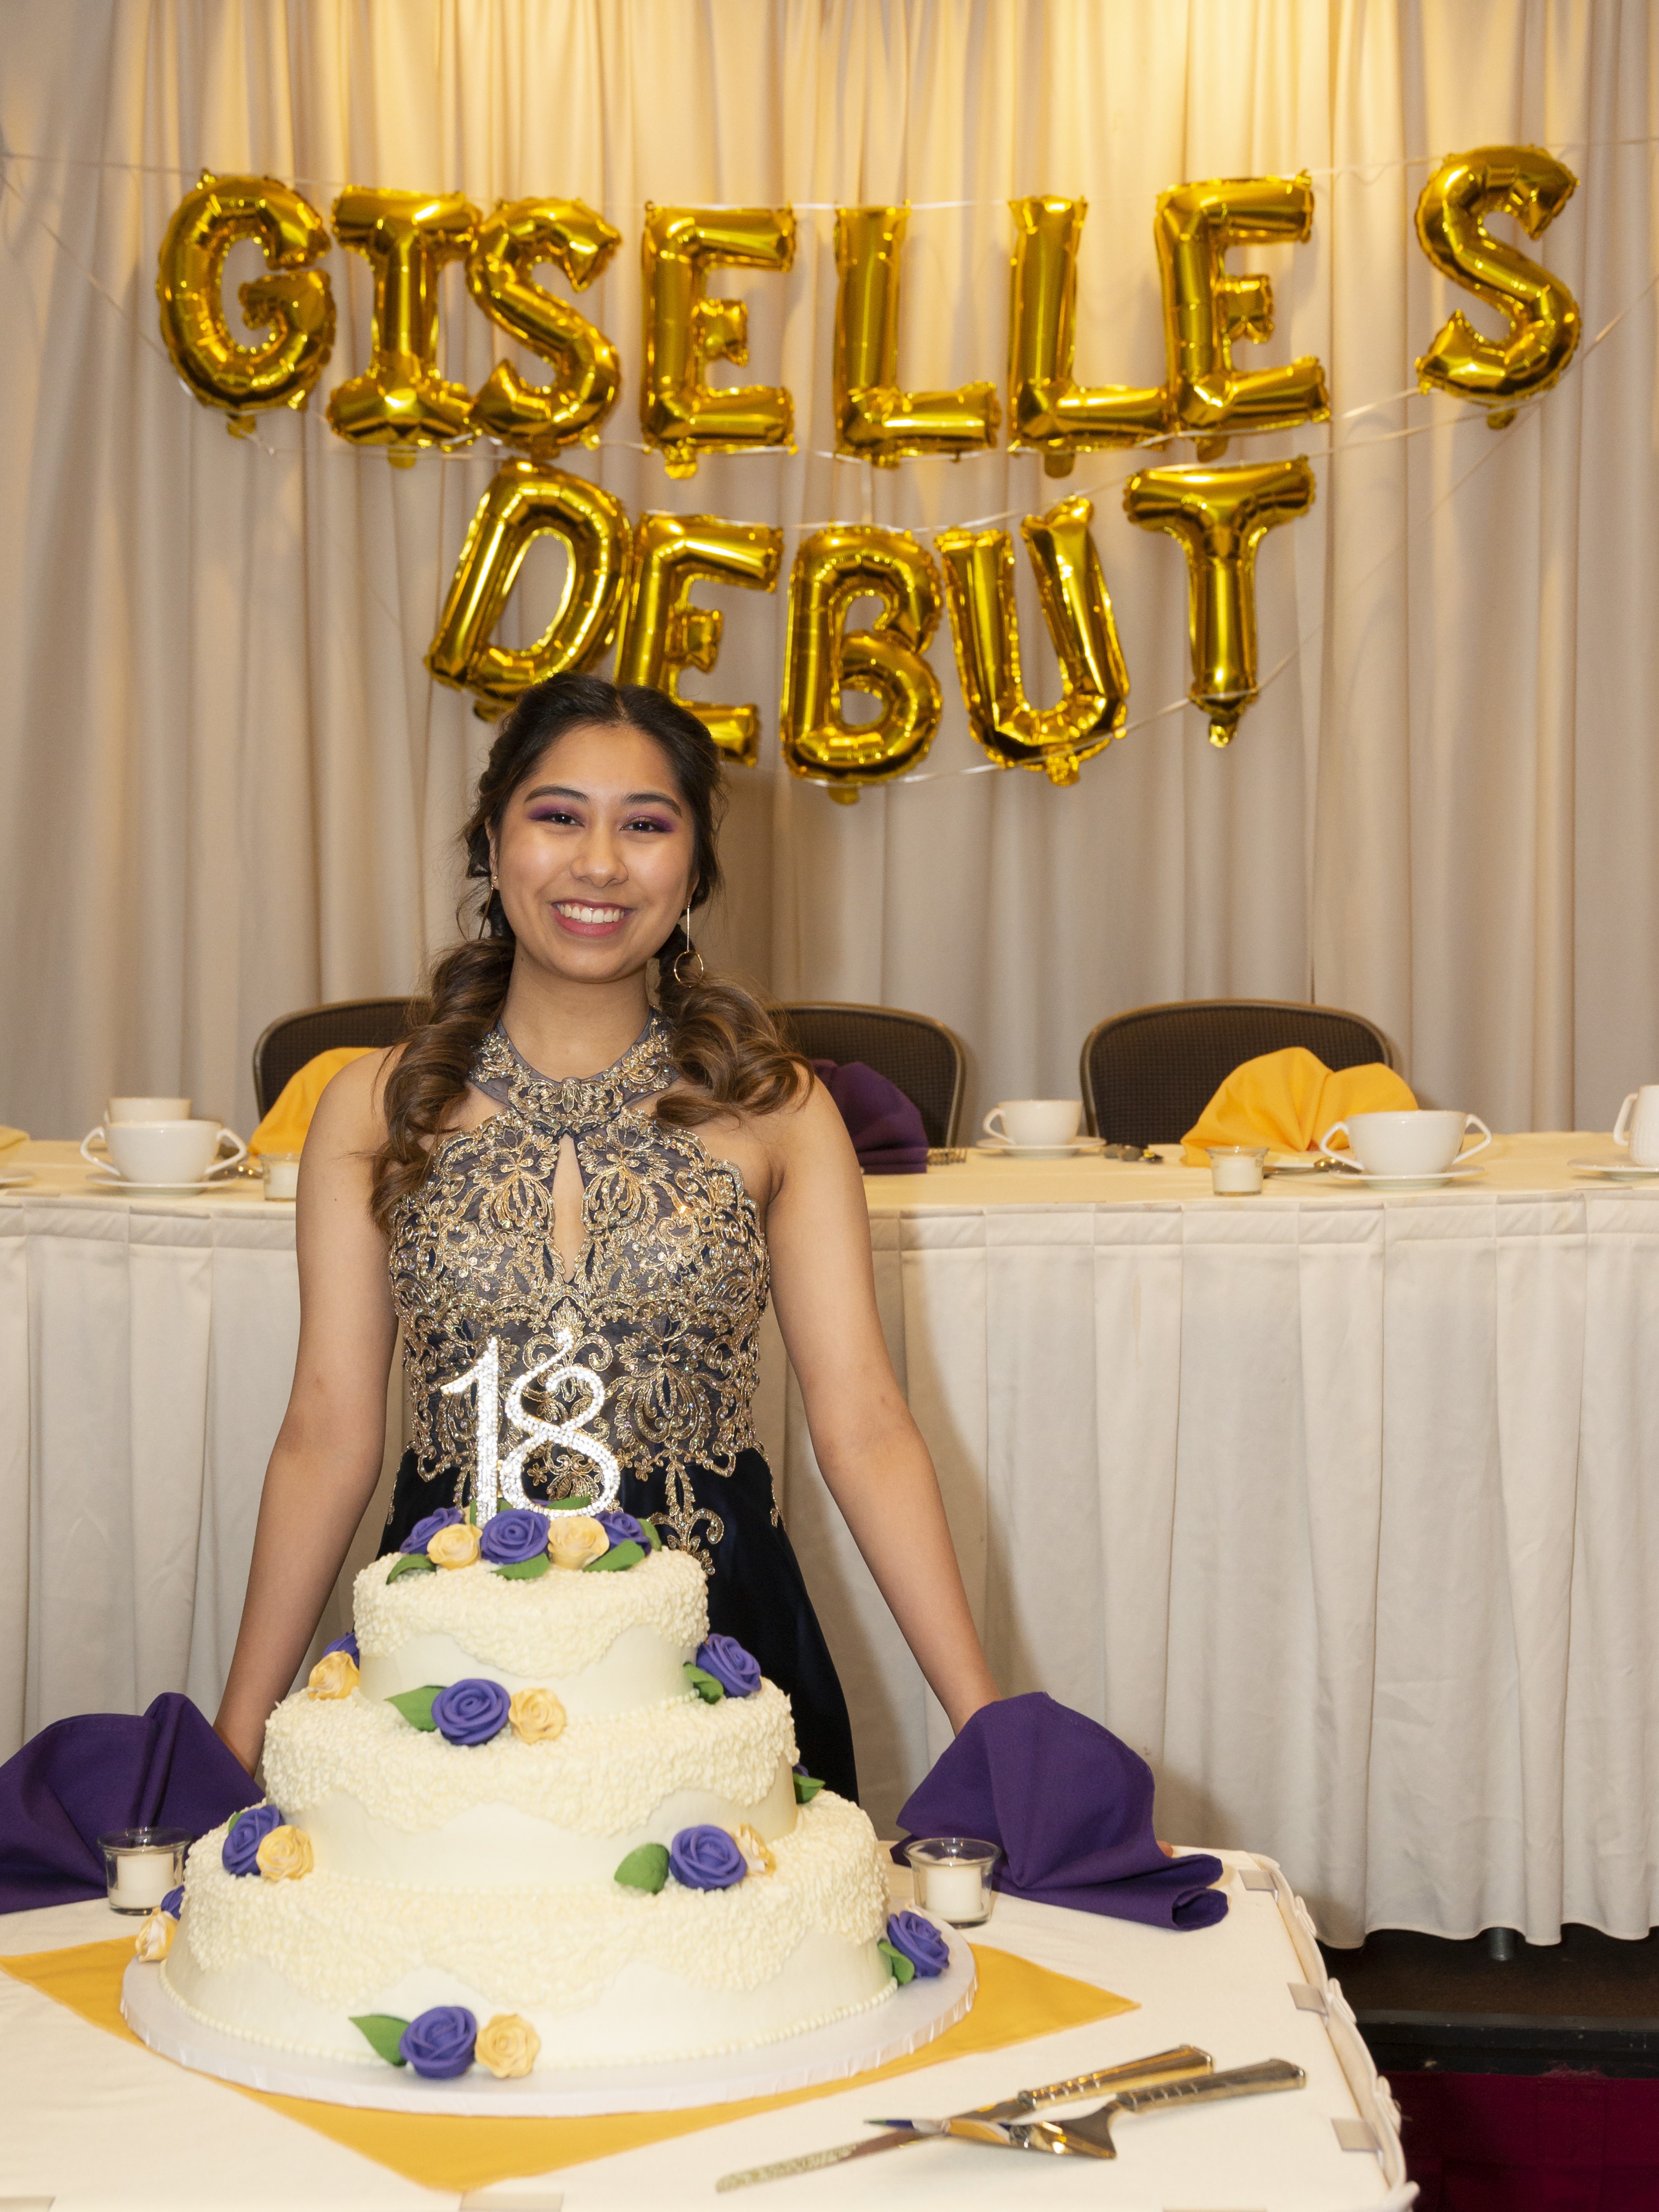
[{"x": 1586, "y": 1975}]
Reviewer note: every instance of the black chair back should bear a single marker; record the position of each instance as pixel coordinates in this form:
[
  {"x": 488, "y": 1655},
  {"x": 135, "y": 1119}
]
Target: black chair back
[
  {"x": 1148, "y": 1074},
  {"x": 919, "y": 1056},
  {"x": 293, "y": 1039}
]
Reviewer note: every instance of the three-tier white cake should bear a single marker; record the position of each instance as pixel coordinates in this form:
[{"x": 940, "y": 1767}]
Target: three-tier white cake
[{"x": 469, "y": 1865}]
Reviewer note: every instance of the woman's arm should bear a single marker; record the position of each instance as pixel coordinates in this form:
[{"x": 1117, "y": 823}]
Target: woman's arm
[
  {"x": 327, "y": 1456},
  {"x": 869, "y": 1448}
]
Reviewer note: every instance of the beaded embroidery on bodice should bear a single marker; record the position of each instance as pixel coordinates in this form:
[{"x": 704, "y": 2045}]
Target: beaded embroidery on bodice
[{"x": 664, "y": 1301}]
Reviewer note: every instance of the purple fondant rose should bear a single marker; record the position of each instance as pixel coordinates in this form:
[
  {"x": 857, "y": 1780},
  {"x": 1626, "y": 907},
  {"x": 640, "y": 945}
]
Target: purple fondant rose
[
  {"x": 348, "y": 1643},
  {"x": 920, "y": 1943},
  {"x": 240, "y": 1854},
  {"x": 439, "y": 2044},
  {"x": 706, "y": 1858},
  {"x": 622, "y": 1528},
  {"x": 470, "y": 1712},
  {"x": 173, "y": 1902},
  {"x": 421, "y": 1534},
  {"x": 725, "y": 1658},
  {"x": 509, "y": 1537}
]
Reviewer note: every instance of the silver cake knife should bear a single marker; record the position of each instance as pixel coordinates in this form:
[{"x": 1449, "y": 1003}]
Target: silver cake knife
[{"x": 1180, "y": 2064}]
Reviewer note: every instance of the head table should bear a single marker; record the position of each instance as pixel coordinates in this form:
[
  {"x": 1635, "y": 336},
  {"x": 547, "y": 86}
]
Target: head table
[{"x": 1336, "y": 1505}]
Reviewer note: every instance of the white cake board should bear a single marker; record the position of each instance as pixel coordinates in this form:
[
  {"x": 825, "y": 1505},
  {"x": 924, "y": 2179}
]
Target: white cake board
[{"x": 911, "y": 2017}]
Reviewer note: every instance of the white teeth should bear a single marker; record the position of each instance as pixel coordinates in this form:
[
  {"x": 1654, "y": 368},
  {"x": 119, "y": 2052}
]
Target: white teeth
[{"x": 590, "y": 914}]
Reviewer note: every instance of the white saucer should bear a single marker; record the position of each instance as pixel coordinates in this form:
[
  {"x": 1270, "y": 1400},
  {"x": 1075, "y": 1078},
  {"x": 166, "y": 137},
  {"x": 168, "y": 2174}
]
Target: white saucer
[
  {"x": 155, "y": 1189},
  {"x": 15, "y": 1181},
  {"x": 1068, "y": 1152},
  {"x": 1616, "y": 1170},
  {"x": 1291, "y": 1163},
  {"x": 1407, "y": 1183}
]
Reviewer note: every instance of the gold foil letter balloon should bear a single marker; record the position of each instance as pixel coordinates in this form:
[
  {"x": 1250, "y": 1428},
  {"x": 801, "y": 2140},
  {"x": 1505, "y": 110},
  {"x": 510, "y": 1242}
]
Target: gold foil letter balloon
[
  {"x": 524, "y": 502},
  {"x": 873, "y": 418},
  {"x": 664, "y": 633},
  {"x": 1220, "y": 517},
  {"x": 294, "y": 302},
  {"x": 1205, "y": 309},
  {"x": 400, "y": 401},
  {"x": 1543, "y": 316},
  {"x": 979, "y": 587},
  {"x": 833, "y": 567},
  {"x": 516, "y": 238},
  {"x": 1048, "y": 412},
  {"x": 680, "y": 413}
]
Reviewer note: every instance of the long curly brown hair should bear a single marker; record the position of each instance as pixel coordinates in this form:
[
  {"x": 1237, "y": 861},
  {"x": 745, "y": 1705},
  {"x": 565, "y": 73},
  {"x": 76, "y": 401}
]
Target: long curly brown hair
[{"x": 721, "y": 1040}]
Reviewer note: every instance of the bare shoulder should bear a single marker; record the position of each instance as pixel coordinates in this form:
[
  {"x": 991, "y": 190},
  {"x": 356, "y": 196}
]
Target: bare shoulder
[
  {"x": 350, "y": 1115},
  {"x": 805, "y": 1131}
]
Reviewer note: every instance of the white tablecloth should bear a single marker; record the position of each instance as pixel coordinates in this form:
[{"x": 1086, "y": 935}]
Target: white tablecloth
[
  {"x": 99, "y": 2125},
  {"x": 1338, "y": 1507}
]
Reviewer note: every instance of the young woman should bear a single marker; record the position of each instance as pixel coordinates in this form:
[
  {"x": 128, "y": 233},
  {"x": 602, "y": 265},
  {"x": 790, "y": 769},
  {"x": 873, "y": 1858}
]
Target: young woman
[{"x": 550, "y": 1164}]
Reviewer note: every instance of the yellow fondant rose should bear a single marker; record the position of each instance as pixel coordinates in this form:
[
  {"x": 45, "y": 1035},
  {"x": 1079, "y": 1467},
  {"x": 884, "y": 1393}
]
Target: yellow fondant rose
[
  {"x": 454, "y": 1546},
  {"x": 575, "y": 1539},
  {"x": 155, "y": 1939},
  {"x": 757, "y": 1854},
  {"x": 508, "y": 2045},
  {"x": 284, "y": 1855},
  {"x": 537, "y": 1715},
  {"x": 335, "y": 1675}
]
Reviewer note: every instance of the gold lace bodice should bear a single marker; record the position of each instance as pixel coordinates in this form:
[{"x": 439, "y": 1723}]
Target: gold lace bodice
[{"x": 664, "y": 1302}]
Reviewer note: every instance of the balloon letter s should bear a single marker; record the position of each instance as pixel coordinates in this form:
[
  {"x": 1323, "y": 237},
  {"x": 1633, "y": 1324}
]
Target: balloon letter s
[{"x": 512, "y": 243}]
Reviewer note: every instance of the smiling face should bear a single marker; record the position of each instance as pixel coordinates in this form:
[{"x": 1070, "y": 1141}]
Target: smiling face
[{"x": 594, "y": 855}]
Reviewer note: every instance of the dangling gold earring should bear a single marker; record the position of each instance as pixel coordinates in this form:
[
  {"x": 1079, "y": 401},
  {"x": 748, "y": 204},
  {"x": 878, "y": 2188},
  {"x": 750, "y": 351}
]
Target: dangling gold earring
[{"x": 687, "y": 950}]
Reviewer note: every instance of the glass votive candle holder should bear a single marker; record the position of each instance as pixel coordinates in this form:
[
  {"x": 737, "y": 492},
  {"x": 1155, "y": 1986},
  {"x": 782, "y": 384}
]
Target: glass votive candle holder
[
  {"x": 952, "y": 1877},
  {"x": 141, "y": 1865},
  {"x": 1235, "y": 1171},
  {"x": 282, "y": 1173}
]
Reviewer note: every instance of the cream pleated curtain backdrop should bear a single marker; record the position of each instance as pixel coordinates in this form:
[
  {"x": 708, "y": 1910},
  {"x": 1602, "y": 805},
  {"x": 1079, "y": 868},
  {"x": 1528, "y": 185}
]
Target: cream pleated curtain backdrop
[{"x": 228, "y": 787}]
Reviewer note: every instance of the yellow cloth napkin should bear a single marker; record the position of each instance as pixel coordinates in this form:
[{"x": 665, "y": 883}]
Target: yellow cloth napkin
[
  {"x": 1288, "y": 1099},
  {"x": 1015, "y": 2000},
  {"x": 9, "y": 1137},
  {"x": 283, "y": 1129}
]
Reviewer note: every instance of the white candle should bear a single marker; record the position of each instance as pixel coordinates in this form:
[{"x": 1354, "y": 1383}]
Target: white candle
[
  {"x": 957, "y": 1892},
  {"x": 142, "y": 1879},
  {"x": 282, "y": 1176},
  {"x": 1236, "y": 1175}
]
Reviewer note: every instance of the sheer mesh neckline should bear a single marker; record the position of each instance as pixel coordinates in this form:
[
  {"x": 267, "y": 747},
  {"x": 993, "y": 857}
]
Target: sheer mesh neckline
[{"x": 574, "y": 1102}]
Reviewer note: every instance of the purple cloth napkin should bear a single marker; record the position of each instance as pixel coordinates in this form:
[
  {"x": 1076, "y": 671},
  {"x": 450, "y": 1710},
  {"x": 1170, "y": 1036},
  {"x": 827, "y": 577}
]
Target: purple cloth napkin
[
  {"x": 885, "y": 1127},
  {"x": 79, "y": 1778},
  {"x": 1070, "y": 1808}
]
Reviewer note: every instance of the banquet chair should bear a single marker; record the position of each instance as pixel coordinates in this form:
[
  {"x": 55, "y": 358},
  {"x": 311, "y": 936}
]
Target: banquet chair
[
  {"x": 293, "y": 1039},
  {"x": 919, "y": 1056},
  {"x": 1149, "y": 1073}
]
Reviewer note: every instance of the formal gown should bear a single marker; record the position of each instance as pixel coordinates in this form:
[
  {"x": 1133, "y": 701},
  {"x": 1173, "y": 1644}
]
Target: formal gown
[{"x": 663, "y": 1303}]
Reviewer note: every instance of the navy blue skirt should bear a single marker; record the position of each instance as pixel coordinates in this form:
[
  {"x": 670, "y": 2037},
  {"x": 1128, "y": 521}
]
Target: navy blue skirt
[{"x": 756, "y": 1593}]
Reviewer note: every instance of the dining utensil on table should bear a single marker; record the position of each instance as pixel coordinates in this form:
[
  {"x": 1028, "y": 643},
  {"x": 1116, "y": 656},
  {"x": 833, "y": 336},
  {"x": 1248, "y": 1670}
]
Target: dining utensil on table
[
  {"x": 1180, "y": 2065},
  {"x": 1423, "y": 1142},
  {"x": 1090, "y": 2135},
  {"x": 1638, "y": 1130}
]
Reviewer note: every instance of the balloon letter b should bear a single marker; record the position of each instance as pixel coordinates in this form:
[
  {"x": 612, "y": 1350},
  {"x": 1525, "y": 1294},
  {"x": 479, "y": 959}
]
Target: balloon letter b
[
  {"x": 679, "y": 412},
  {"x": 1205, "y": 309},
  {"x": 1047, "y": 412},
  {"x": 523, "y": 503},
  {"x": 514, "y": 241},
  {"x": 874, "y": 419},
  {"x": 1220, "y": 517},
  {"x": 294, "y": 301},
  {"x": 979, "y": 586},
  {"x": 400, "y": 401},
  {"x": 1542, "y": 314},
  {"x": 664, "y": 633},
  {"x": 834, "y": 567}
]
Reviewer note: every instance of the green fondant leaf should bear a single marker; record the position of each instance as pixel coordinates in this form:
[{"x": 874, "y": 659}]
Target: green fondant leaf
[
  {"x": 412, "y": 1562},
  {"x": 706, "y": 1686},
  {"x": 525, "y": 1571},
  {"x": 381, "y": 2031},
  {"x": 415, "y": 1706},
  {"x": 564, "y": 1505},
  {"x": 625, "y": 1554},
  {"x": 646, "y": 1869},
  {"x": 807, "y": 1787},
  {"x": 902, "y": 1970},
  {"x": 471, "y": 1512},
  {"x": 652, "y": 1537}
]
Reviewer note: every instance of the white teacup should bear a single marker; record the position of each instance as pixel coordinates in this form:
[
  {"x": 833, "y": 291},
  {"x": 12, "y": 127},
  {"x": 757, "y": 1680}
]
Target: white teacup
[
  {"x": 1638, "y": 1125},
  {"x": 1424, "y": 1142},
  {"x": 1034, "y": 1120},
  {"x": 147, "y": 1110},
  {"x": 166, "y": 1151}
]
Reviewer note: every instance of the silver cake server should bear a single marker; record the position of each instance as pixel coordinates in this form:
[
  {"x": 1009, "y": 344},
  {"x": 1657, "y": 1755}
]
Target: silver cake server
[
  {"x": 1090, "y": 2135},
  {"x": 1181, "y": 2064}
]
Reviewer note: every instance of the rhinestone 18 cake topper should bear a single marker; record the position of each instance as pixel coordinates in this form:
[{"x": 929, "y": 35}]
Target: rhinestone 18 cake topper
[{"x": 499, "y": 1481}]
